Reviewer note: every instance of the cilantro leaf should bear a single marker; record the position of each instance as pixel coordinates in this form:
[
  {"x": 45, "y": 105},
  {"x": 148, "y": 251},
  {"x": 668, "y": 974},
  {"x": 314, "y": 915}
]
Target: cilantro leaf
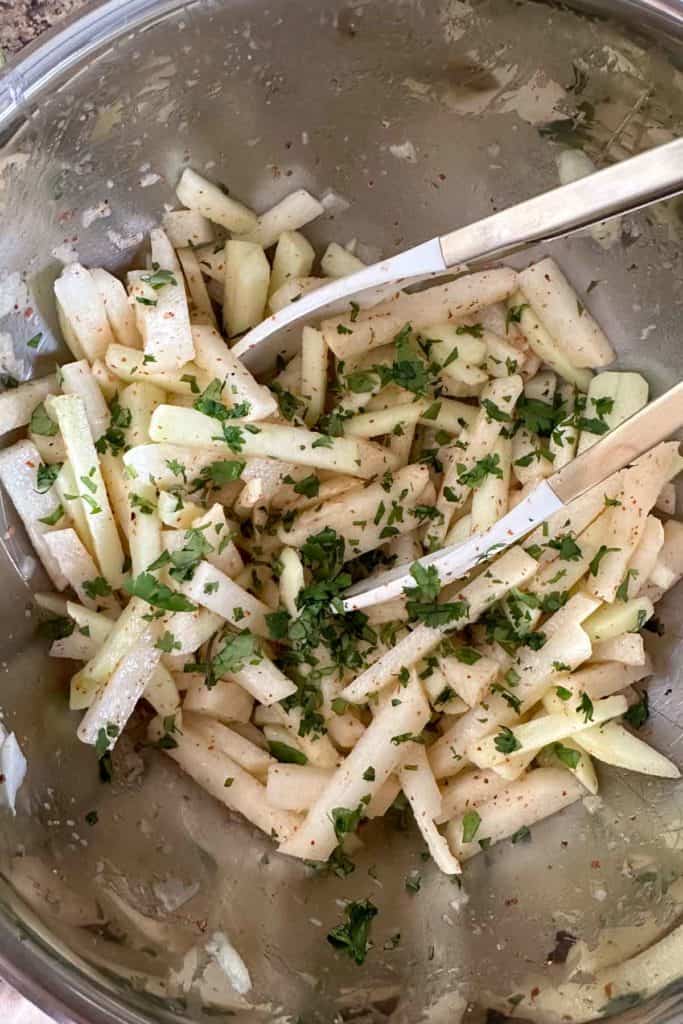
[
  {"x": 471, "y": 820},
  {"x": 506, "y": 742},
  {"x": 41, "y": 423},
  {"x": 475, "y": 476},
  {"x": 638, "y": 714},
  {"x": 285, "y": 754},
  {"x": 353, "y": 935},
  {"x": 46, "y": 476},
  {"x": 598, "y": 557},
  {"x": 148, "y": 588},
  {"x": 567, "y": 755}
]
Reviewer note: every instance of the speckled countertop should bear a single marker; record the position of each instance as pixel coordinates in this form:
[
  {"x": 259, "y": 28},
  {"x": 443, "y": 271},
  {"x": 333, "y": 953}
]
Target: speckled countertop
[{"x": 22, "y": 21}]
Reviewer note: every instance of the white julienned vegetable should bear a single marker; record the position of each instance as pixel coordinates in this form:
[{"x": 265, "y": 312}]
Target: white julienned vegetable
[
  {"x": 69, "y": 412},
  {"x": 566, "y": 318},
  {"x": 212, "y": 202},
  {"x": 236, "y": 522},
  {"x": 17, "y": 404},
  {"x": 13, "y": 769},
  {"x": 82, "y": 313},
  {"x": 372, "y": 328}
]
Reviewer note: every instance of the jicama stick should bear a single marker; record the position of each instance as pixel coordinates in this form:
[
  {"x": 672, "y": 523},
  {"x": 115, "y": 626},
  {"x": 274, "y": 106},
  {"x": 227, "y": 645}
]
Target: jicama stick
[
  {"x": 317, "y": 747},
  {"x": 126, "y": 634},
  {"x": 114, "y": 703},
  {"x": 120, "y": 315},
  {"x": 253, "y": 759},
  {"x": 512, "y": 569},
  {"x": 247, "y": 276},
  {"x": 469, "y": 679},
  {"x": 668, "y": 568},
  {"x": 379, "y": 748},
  {"x": 612, "y": 398},
  {"x": 490, "y": 498},
  {"x": 293, "y": 290},
  {"x": 211, "y": 202},
  {"x": 304, "y": 447},
  {"x": 214, "y": 357},
  {"x": 422, "y": 792},
  {"x": 49, "y": 602},
  {"x": 162, "y": 693},
  {"x": 644, "y": 559},
  {"x": 544, "y": 346},
  {"x": 108, "y": 383},
  {"x": 212, "y": 589},
  {"x": 76, "y": 647},
  {"x": 537, "y": 795},
  {"x": 50, "y": 449},
  {"x": 530, "y": 676},
  {"x": 469, "y": 791},
  {"x": 212, "y": 769},
  {"x": 201, "y": 308},
  {"x": 80, "y": 570},
  {"x": 96, "y": 625},
  {"x": 140, "y": 400},
  {"x": 540, "y": 732},
  {"x": 226, "y": 701},
  {"x": 69, "y": 411},
  {"x": 18, "y": 473},
  {"x": 564, "y": 438},
  {"x": 614, "y": 619},
  {"x": 187, "y": 228},
  {"x": 579, "y": 763},
  {"x": 82, "y": 314},
  {"x": 291, "y": 579},
  {"x": 294, "y": 257},
  {"x": 313, "y": 374},
  {"x": 471, "y": 464},
  {"x": 568, "y": 321},
  {"x": 17, "y": 404},
  {"x": 295, "y": 787},
  {"x": 290, "y": 214},
  {"x": 264, "y": 681},
  {"x": 343, "y": 727},
  {"x": 572, "y": 519},
  {"x": 502, "y": 358},
  {"x": 128, "y": 365},
  {"x": 455, "y": 300},
  {"x": 615, "y": 745},
  {"x": 367, "y": 517},
  {"x": 176, "y": 513},
  {"x": 384, "y": 421},
  {"x": 144, "y": 524},
  {"x": 628, "y": 649},
  {"x": 337, "y": 261}
]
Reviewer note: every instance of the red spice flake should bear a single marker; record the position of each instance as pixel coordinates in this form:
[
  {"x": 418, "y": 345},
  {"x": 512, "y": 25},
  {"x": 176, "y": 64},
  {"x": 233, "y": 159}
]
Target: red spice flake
[
  {"x": 535, "y": 992},
  {"x": 608, "y": 989},
  {"x": 512, "y": 902},
  {"x": 595, "y": 864},
  {"x": 28, "y": 312}
]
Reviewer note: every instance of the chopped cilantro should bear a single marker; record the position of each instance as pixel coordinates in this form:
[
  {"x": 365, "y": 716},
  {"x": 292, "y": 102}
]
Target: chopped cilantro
[
  {"x": 285, "y": 754},
  {"x": 594, "y": 564},
  {"x": 148, "y": 588},
  {"x": 506, "y": 742},
  {"x": 585, "y": 707},
  {"x": 46, "y": 476},
  {"x": 353, "y": 935},
  {"x": 471, "y": 820},
  {"x": 567, "y": 755},
  {"x": 41, "y": 423}
]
